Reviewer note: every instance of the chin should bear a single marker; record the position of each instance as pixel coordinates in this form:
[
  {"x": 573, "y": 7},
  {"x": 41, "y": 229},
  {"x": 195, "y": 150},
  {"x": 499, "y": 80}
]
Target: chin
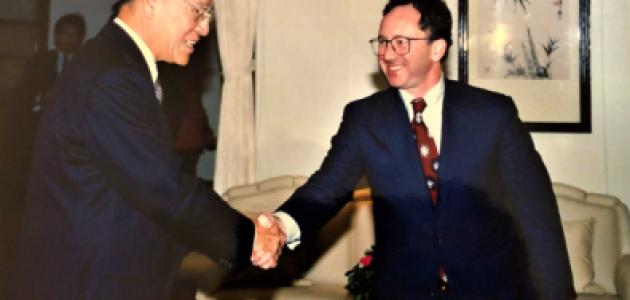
[
  {"x": 182, "y": 59},
  {"x": 394, "y": 83},
  {"x": 181, "y": 62}
]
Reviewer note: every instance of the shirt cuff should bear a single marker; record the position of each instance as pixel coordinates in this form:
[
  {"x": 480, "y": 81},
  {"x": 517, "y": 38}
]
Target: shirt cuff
[{"x": 292, "y": 229}]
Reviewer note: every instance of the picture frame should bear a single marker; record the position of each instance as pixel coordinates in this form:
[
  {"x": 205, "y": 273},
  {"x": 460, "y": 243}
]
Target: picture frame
[{"x": 537, "y": 52}]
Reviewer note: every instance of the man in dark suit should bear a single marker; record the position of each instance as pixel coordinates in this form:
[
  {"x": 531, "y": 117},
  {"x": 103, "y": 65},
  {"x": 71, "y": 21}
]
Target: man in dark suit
[
  {"x": 26, "y": 100},
  {"x": 42, "y": 69},
  {"x": 463, "y": 212},
  {"x": 20, "y": 114},
  {"x": 109, "y": 214}
]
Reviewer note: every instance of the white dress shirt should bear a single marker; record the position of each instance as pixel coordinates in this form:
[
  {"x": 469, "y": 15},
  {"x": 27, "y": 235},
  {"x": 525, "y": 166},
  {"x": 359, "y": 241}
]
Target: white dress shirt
[
  {"x": 432, "y": 116},
  {"x": 61, "y": 61},
  {"x": 149, "y": 58}
]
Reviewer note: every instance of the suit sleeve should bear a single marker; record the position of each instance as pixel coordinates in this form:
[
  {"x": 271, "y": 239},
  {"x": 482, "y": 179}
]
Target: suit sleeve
[
  {"x": 331, "y": 186},
  {"x": 127, "y": 133},
  {"x": 534, "y": 205}
]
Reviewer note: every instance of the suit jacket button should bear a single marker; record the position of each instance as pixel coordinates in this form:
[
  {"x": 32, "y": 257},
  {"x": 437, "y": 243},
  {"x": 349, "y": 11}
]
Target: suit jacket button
[{"x": 225, "y": 263}]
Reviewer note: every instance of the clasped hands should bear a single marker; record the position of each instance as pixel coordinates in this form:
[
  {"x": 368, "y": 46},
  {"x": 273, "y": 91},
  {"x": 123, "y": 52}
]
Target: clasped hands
[{"x": 268, "y": 241}]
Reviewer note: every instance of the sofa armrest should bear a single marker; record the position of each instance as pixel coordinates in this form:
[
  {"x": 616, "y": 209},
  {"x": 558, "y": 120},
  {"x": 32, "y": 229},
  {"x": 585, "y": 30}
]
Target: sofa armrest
[
  {"x": 622, "y": 277},
  {"x": 206, "y": 273}
]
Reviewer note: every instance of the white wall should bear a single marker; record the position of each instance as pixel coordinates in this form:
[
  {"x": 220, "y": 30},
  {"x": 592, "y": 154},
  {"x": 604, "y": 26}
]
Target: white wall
[
  {"x": 313, "y": 58},
  {"x": 616, "y": 78}
]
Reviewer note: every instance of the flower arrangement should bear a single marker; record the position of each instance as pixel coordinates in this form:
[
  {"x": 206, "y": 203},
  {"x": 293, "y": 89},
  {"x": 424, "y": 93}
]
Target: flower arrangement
[{"x": 360, "y": 277}]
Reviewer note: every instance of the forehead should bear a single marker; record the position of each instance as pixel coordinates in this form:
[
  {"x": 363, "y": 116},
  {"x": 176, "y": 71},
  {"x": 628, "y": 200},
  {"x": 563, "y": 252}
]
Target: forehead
[
  {"x": 204, "y": 3},
  {"x": 68, "y": 28},
  {"x": 401, "y": 20}
]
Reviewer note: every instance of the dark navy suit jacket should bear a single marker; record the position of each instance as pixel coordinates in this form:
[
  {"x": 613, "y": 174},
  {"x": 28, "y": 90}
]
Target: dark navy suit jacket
[
  {"x": 496, "y": 227},
  {"x": 109, "y": 215}
]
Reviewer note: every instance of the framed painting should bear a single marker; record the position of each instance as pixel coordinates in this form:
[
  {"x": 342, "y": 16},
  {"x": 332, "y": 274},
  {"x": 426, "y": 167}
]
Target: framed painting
[{"x": 538, "y": 52}]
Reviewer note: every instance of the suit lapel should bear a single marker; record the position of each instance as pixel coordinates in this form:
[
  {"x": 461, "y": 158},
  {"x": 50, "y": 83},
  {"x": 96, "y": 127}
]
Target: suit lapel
[
  {"x": 457, "y": 118},
  {"x": 394, "y": 132},
  {"x": 132, "y": 54},
  {"x": 393, "y": 125}
]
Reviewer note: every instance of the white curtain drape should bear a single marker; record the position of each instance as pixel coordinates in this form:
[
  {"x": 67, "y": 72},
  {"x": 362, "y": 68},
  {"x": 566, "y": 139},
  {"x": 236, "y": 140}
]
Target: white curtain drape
[{"x": 236, "y": 30}]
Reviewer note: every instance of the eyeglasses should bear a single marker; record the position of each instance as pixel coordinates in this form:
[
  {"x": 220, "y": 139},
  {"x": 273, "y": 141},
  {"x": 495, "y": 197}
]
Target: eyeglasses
[
  {"x": 400, "y": 45},
  {"x": 202, "y": 14}
]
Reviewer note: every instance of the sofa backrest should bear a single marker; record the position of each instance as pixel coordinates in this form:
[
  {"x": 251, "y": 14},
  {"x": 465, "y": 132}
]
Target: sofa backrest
[
  {"x": 610, "y": 231},
  {"x": 350, "y": 233},
  {"x": 336, "y": 244}
]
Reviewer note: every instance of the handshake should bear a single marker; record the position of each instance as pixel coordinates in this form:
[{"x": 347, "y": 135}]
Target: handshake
[{"x": 269, "y": 240}]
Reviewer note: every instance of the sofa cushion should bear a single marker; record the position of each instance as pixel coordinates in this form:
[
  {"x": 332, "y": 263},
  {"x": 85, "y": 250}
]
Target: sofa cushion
[
  {"x": 596, "y": 297},
  {"x": 315, "y": 292},
  {"x": 281, "y": 181},
  {"x": 579, "y": 239},
  {"x": 268, "y": 200},
  {"x": 606, "y": 243}
]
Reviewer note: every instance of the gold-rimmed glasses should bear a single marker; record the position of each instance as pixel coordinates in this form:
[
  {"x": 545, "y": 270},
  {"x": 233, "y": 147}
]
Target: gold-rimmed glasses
[
  {"x": 202, "y": 14},
  {"x": 400, "y": 45}
]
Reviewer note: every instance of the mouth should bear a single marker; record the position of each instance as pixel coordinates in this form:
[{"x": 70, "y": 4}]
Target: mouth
[
  {"x": 191, "y": 43},
  {"x": 394, "y": 68}
]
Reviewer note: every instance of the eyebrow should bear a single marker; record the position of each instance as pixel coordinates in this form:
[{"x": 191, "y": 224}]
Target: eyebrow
[{"x": 380, "y": 36}]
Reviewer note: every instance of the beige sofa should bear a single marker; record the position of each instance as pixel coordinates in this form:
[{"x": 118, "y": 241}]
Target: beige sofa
[{"x": 597, "y": 229}]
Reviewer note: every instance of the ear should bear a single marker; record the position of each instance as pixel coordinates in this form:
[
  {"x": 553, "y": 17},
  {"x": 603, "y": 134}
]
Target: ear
[{"x": 438, "y": 49}]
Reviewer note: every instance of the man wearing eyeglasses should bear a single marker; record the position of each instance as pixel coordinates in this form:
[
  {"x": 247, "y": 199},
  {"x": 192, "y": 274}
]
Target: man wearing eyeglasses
[
  {"x": 109, "y": 214},
  {"x": 463, "y": 205}
]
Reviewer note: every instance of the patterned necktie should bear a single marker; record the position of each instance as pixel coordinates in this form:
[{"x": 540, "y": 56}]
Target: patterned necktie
[
  {"x": 61, "y": 65},
  {"x": 158, "y": 90},
  {"x": 430, "y": 163},
  {"x": 426, "y": 147}
]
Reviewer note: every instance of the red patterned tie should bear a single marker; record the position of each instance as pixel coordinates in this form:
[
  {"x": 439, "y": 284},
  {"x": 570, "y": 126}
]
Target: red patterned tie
[
  {"x": 430, "y": 162},
  {"x": 426, "y": 147}
]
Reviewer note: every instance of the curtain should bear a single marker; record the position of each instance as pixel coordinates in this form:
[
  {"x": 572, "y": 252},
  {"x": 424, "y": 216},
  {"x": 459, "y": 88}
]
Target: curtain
[{"x": 235, "y": 158}]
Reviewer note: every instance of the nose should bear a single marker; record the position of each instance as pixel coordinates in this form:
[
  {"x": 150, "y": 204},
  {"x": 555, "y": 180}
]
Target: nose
[
  {"x": 389, "y": 53},
  {"x": 203, "y": 28}
]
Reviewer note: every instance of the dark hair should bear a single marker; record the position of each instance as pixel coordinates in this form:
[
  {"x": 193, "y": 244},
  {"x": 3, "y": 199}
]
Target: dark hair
[
  {"x": 116, "y": 8},
  {"x": 75, "y": 20},
  {"x": 435, "y": 18}
]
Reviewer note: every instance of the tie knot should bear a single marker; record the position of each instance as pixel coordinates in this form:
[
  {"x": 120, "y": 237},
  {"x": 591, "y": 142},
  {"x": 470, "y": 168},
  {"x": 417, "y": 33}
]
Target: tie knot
[
  {"x": 418, "y": 105},
  {"x": 158, "y": 90}
]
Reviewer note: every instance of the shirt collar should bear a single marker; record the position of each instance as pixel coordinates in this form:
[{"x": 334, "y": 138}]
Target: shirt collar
[
  {"x": 434, "y": 96},
  {"x": 144, "y": 49}
]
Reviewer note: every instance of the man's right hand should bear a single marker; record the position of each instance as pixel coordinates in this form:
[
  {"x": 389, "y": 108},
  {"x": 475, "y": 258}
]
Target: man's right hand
[{"x": 268, "y": 241}]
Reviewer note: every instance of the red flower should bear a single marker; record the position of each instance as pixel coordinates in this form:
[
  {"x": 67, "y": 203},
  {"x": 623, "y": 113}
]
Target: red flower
[
  {"x": 365, "y": 261},
  {"x": 360, "y": 277}
]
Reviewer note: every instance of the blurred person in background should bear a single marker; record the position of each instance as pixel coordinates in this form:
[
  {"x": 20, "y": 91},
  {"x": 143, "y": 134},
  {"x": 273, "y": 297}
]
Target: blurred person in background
[{"x": 21, "y": 111}]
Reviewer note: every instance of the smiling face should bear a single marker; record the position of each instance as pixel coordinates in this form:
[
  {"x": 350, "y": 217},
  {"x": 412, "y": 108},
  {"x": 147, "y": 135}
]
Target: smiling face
[
  {"x": 179, "y": 29},
  {"x": 418, "y": 70}
]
